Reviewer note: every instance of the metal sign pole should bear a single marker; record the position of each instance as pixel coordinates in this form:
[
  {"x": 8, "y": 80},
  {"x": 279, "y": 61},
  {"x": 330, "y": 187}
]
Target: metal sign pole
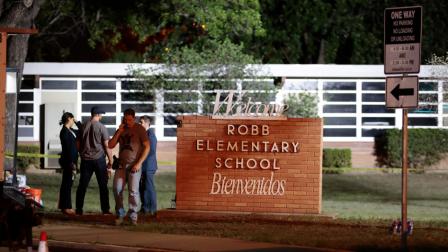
[
  {"x": 3, "y": 48},
  {"x": 404, "y": 181}
]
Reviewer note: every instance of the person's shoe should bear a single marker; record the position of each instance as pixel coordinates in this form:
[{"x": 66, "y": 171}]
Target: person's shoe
[
  {"x": 133, "y": 222},
  {"x": 68, "y": 212},
  {"x": 78, "y": 212},
  {"x": 119, "y": 221}
]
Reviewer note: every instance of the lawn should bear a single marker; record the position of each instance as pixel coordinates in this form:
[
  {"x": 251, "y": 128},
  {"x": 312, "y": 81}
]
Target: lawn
[
  {"x": 364, "y": 204},
  {"x": 367, "y": 196},
  {"x": 347, "y": 196},
  {"x": 50, "y": 183}
]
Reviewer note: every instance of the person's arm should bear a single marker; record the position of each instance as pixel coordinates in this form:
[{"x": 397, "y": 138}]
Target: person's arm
[
  {"x": 113, "y": 142},
  {"x": 108, "y": 153},
  {"x": 142, "y": 157}
]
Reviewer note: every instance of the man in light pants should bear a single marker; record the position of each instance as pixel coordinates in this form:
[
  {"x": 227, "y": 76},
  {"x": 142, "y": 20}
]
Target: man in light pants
[{"x": 134, "y": 147}]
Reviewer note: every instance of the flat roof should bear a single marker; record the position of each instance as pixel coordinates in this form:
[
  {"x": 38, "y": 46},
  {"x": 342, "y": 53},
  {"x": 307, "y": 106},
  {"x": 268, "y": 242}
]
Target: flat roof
[{"x": 268, "y": 70}]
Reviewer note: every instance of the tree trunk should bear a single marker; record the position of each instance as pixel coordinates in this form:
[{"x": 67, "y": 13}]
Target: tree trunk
[
  {"x": 321, "y": 58},
  {"x": 15, "y": 15}
]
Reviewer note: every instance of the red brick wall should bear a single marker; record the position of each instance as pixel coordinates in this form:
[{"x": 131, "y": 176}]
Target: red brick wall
[{"x": 249, "y": 190}]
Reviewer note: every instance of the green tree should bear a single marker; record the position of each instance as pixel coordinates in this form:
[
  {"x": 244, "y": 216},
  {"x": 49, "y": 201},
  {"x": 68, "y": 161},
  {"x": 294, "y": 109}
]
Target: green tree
[
  {"x": 15, "y": 14},
  {"x": 340, "y": 31},
  {"x": 98, "y": 30},
  {"x": 302, "y": 105}
]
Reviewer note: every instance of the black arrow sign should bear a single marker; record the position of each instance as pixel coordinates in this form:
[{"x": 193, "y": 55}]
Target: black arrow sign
[{"x": 397, "y": 92}]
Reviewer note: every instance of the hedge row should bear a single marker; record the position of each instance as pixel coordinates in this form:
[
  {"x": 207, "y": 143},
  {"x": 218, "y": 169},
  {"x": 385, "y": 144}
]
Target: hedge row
[
  {"x": 425, "y": 147},
  {"x": 24, "y": 162},
  {"x": 336, "y": 159}
]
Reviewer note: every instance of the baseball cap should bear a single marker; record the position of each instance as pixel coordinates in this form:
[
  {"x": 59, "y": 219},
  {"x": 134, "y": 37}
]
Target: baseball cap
[{"x": 97, "y": 111}]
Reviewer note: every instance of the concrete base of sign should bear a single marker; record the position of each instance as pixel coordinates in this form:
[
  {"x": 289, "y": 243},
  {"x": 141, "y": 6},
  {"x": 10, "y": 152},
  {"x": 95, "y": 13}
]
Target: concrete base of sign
[
  {"x": 194, "y": 215},
  {"x": 198, "y": 215}
]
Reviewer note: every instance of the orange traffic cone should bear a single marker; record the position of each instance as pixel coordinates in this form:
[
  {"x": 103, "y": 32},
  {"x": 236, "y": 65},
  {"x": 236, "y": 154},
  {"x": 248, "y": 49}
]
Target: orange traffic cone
[{"x": 43, "y": 246}]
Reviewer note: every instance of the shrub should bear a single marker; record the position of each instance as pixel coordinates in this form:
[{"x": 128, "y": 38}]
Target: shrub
[
  {"x": 24, "y": 162},
  {"x": 336, "y": 159},
  {"x": 425, "y": 148}
]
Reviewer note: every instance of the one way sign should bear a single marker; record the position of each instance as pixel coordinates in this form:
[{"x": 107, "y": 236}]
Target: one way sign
[{"x": 402, "y": 92}]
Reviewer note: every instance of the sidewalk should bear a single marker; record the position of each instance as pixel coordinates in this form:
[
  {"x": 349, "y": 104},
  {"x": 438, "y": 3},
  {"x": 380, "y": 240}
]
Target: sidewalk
[{"x": 83, "y": 237}]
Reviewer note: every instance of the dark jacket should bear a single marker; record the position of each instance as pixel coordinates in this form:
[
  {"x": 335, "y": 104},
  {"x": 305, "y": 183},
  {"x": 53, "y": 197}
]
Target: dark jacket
[
  {"x": 69, "y": 153},
  {"x": 150, "y": 163}
]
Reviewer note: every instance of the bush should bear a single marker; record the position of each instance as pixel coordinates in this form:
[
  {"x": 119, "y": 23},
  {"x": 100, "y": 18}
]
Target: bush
[
  {"x": 24, "y": 162},
  {"x": 336, "y": 159},
  {"x": 425, "y": 148}
]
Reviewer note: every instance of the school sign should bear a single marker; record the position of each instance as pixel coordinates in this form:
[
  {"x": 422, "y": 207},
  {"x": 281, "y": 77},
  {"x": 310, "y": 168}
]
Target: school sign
[{"x": 269, "y": 165}]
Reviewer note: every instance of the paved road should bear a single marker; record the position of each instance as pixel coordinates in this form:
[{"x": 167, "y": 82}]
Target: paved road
[{"x": 81, "y": 237}]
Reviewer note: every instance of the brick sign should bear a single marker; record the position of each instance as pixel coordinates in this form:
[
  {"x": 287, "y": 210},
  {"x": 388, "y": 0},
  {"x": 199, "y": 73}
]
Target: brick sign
[{"x": 264, "y": 166}]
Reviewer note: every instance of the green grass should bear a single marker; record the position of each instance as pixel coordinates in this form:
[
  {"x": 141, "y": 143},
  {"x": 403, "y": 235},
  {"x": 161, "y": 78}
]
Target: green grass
[
  {"x": 368, "y": 196},
  {"x": 50, "y": 183},
  {"x": 348, "y": 196},
  {"x": 365, "y": 205}
]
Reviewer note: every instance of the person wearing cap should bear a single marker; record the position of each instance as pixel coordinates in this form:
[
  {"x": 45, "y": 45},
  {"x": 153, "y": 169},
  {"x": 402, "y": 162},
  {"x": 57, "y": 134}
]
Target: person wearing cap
[
  {"x": 93, "y": 147},
  {"x": 134, "y": 147}
]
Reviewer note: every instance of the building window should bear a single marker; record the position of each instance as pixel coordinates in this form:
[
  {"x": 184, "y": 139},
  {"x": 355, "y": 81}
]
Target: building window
[
  {"x": 59, "y": 84},
  {"x": 339, "y": 121},
  {"x": 422, "y": 121},
  {"x": 378, "y": 121},
  {"x": 339, "y": 132},
  {"x": 339, "y": 86},
  {"x": 139, "y": 108},
  {"x": 108, "y": 108},
  {"x": 96, "y": 84},
  {"x": 169, "y": 120},
  {"x": 26, "y": 120},
  {"x": 425, "y": 109},
  {"x": 137, "y": 96},
  {"x": 26, "y": 96},
  {"x": 376, "y": 109},
  {"x": 169, "y": 132},
  {"x": 180, "y": 108},
  {"x": 373, "y": 98},
  {"x": 104, "y": 120},
  {"x": 373, "y": 86},
  {"x": 372, "y": 132},
  {"x": 291, "y": 84},
  {"x": 26, "y": 107},
  {"x": 339, "y": 108},
  {"x": 25, "y": 132},
  {"x": 99, "y": 96},
  {"x": 427, "y": 86},
  {"x": 339, "y": 97}
]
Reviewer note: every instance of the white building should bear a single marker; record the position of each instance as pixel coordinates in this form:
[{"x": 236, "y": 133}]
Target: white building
[{"x": 351, "y": 100}]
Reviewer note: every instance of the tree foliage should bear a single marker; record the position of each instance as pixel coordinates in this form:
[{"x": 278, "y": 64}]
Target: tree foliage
[
  {"x": 302, "y": 105},
  {"x": 286, "y": 31}
]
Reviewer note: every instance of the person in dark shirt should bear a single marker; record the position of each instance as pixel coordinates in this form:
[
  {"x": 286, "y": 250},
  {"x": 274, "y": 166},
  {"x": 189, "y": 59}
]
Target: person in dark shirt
[
  {"x": 68, "y": 162},
  {"x": 92, "y": 144},
  {"x": 149, "y": 167}
]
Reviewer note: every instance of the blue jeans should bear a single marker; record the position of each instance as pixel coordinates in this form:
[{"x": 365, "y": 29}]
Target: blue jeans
[
  {"x": 123, "y": 176},
  {"x": 148, "y": 193}
]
